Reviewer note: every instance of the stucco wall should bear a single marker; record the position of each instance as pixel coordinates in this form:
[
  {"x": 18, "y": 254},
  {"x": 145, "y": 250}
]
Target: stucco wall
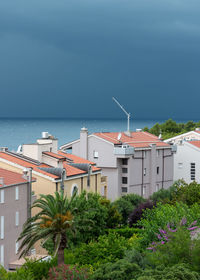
[{"x": 8, "y": 210}]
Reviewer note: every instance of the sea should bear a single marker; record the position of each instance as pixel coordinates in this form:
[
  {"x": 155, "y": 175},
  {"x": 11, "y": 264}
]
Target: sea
[{"x": 15, "y": 132}]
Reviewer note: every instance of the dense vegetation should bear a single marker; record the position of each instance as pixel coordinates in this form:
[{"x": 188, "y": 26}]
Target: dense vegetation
[
  {"x": 171, "y": 128},
  {"x": 128, "y": 239}
]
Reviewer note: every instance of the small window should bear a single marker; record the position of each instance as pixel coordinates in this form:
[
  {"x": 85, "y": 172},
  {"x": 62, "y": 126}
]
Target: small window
[
  {"x": 124, "y": 180},
  {"x": 145, "y": 171},
  {"x": 143, "y": 190},
  {"x": 95, "y": 154},
  {"x": 50, "y": 149},
  {"x": 157, "y": 169},
  {"x": 16, "y": 193},
  {"x": 16, "y": 247},
  {"x": 17, "y": 218},
  {"x": 2, "y": 196},
  {"x": 180, "y": 165},
  {"x": 2, "y": 227},
  {"x": 2, "y": 255},
  {"x": 124, "y": 161},
  {"x": 74, "y": 190},
  {"x": 124, "y": 170},
  {"x": 124, "y": 189},
  {"x": 192, "y": 171}
]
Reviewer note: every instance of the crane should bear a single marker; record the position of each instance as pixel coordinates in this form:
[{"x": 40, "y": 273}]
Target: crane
[{"x": 128, "y": 114}]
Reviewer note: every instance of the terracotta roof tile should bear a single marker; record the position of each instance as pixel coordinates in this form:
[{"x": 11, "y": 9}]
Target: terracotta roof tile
[
  {"x": 11, "y": 178},
  {"x": 196, "y": 143},
  {"x": 72, "y": 171},
  {"x": 136, "y": 140},
  {"x": 75, "y": 159},
  {"x": 54, "y": 155}
]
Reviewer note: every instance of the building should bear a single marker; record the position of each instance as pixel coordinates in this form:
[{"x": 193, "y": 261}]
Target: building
[
  {"x": 187, "y": 161},
  {"x": 14, "y": 203},
  {"x": 188, "y": 136},
  {"x": 53, "y": 169},
  {"x": 135, "y": 162}
]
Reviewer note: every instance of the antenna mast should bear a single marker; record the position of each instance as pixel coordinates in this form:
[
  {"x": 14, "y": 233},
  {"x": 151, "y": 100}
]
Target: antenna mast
[{"x": 128, "y": 114}]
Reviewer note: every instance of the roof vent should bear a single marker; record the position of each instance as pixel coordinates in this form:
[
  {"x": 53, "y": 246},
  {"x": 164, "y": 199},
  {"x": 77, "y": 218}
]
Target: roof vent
[
  {"x": 45, "y": 135},
  {"x": 3, "y": 149}
]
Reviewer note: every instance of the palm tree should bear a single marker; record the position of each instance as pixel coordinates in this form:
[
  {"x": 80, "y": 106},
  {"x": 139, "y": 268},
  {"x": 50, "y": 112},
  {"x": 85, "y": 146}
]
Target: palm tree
[{"x": 53, "y": 221}]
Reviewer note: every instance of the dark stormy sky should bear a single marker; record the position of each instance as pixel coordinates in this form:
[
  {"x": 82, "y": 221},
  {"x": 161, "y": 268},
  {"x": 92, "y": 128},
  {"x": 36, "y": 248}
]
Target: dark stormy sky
[{"x": 67, "y": 58}]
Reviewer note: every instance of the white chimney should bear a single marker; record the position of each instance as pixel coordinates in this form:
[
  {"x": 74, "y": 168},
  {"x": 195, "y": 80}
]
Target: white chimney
[
  {"x": 2, "y": 181},
  {"x": 45, "y": 134}
]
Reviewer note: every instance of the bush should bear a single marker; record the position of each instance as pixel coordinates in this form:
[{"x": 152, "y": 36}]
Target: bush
[
  {"x": 188, "y": 194},
  {"x": 39, "y": 269},
  {"x": 120, "y": 270},
  {"x": 160, "y": 216},
  {"x": 20, "y": 274},
  {"x": 113, "y": 218},
  {"x": 65, "y": 272},
  {"x": 108, "y": 248},
  {"x": 126, "y": 204},
  {"x": 138, "y": 212},
  {"x": 126, "y": 232},
  {"x": 176, "y": 272}
]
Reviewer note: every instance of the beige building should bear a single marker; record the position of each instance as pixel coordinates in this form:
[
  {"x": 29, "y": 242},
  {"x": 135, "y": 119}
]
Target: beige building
[{"x": 54, "y": 170}]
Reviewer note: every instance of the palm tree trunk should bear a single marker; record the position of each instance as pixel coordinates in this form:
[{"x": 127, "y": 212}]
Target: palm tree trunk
[{"x": 60, "y": 256}]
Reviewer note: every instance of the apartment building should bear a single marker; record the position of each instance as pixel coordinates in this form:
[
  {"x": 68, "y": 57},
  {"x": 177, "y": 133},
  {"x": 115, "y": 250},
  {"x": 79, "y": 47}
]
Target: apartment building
[
  {"x": 134, "y": 162},
  {"x": 14, "y": 203},
  {"x": 188, "y": 136}
]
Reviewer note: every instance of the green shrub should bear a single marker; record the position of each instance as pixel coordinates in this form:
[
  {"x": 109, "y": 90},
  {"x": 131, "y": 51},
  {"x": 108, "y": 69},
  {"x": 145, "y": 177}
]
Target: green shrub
[
  {"x": 176, "y": 272},
  {"x": 179, "y": 248},
  {"x": 39, "y": 269},
  {"x": 160, "y": 216},
  {"x": 108, "y": 248},
  {"x": 188, "y": 194},
  {"x": 120, "y": 270},
  {"x": 65, "y": 272},
  {"x": 126, "y": 204},
  {"x": 126, "y": 231},
  {"x": 20, "y": 274}
]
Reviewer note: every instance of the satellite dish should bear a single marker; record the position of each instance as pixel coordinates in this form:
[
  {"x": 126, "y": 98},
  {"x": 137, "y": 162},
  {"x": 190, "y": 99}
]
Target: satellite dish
[
  {"x": 19, "y": 150},
  {"x": 119, "y": 136}
]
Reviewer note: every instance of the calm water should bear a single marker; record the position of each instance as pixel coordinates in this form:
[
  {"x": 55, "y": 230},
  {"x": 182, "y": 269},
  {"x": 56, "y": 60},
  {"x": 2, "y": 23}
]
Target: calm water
[{"x": 14, "y": 132}]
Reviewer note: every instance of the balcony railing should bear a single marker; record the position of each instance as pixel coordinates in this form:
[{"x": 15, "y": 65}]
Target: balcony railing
[{"x": 123, "y": 150}]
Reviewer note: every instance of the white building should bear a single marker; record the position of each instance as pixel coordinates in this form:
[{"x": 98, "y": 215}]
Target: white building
[{"x": 188, "y": 136}]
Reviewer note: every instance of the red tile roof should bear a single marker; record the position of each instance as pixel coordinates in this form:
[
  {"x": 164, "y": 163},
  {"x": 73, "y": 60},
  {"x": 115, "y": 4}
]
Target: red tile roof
[
  {"x": 196, "y": 143},
  {"x": 11, "y": 178},
  {"x": 136, "y": 140},
  {"x": 54, "y": 155},
  {"x": 76, "y": 159}
]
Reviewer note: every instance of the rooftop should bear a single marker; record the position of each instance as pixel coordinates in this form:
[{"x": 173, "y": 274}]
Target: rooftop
[
  {"x": 136, "y": 139},
  {"x": 11, "y": 178}
]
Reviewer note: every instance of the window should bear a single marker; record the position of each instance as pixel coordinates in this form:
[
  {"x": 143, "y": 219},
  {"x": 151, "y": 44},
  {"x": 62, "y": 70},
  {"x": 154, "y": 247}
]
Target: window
[
  {"x": 95, "y": 154},
  {"x": 16, "y": 247},
  {"x": 180, "y": 165},
  {"x": 124, "y": 161},
  {"x": 145, "y": 171},
  {"x": 2, "y": 196},
  {"x": 124, "y": 180},
  {"x": 124, "y": 170},
  {"x": 16, "y": 193},
  {"x": 157, "y": 169},
  {"x": 124, "y": 189},
  {"x": 2, "y": 227},
  {"x": 17, "y": 218},
  {"x": 2, "y": 255},
  {"x": 74, "y": 190},
  {"x": 50, "y": 149},
  {"x": 192, "y": 171},
  {"x": 143, "y": 190}
]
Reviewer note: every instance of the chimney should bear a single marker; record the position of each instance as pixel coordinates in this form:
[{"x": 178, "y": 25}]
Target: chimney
[
  {"x": 2, "y": 181},
  {"x": 84, "y": 143}
]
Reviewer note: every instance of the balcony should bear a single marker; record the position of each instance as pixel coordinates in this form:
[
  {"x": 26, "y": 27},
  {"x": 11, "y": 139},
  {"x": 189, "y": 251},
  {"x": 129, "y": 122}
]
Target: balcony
[{"x": 123, "y": 150}]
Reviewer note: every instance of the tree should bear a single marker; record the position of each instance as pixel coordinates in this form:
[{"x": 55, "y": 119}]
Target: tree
[{"x": 54, "y": 219}]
